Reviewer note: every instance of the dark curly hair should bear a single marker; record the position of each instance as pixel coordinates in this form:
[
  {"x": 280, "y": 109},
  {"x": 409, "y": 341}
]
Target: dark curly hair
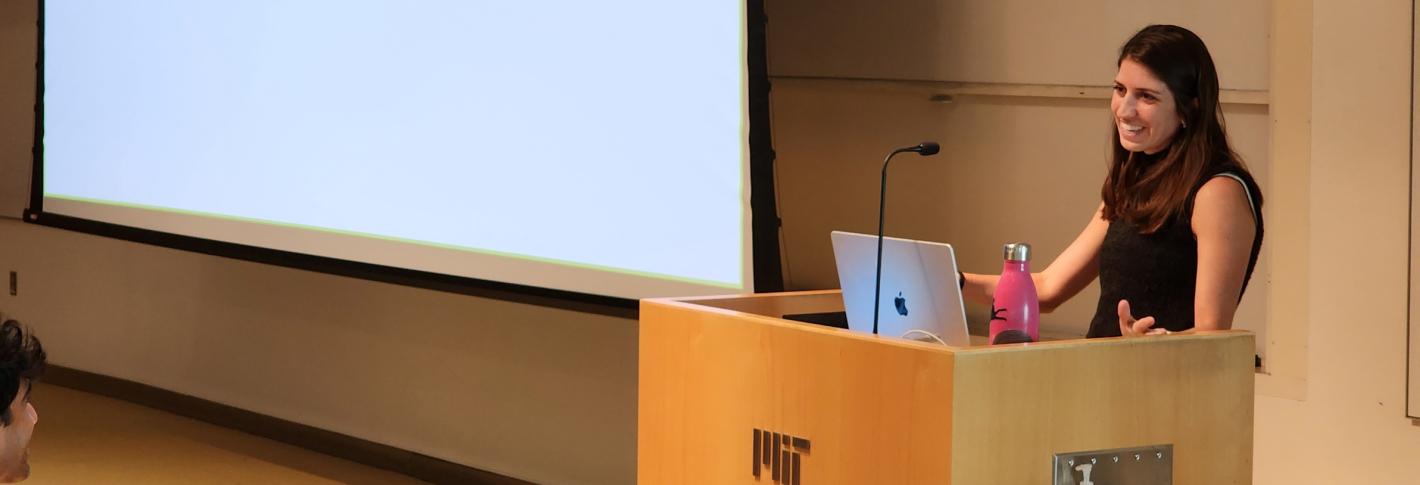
[{"x": 21, "y": 362}]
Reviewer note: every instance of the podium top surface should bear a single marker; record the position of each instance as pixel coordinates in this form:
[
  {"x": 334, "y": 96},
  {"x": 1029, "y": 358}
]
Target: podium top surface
[{"x": 770, "y": 309}]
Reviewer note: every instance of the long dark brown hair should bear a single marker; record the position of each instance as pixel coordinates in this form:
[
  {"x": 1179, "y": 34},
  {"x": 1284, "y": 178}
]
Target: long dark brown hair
[{"x": 1152, "y": 191}]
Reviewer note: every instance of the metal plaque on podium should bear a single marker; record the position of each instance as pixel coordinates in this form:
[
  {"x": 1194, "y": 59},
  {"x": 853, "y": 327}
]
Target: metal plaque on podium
[{"x": 1143, "y": 465}]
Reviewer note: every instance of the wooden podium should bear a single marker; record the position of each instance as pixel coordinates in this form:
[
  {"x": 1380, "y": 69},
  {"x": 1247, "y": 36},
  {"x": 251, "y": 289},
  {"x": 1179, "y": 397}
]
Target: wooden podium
[{"x": 730, "y": 392}]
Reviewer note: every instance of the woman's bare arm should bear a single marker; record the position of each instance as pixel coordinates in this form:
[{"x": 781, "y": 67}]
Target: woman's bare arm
[{"x": 1222, "y": 222}]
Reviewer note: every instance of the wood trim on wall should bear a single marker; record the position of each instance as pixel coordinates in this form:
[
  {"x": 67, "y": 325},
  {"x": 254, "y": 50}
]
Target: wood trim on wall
[
  {"x": 1412, "y": 368},
  {"x": 1288, "y": 209},
  {"x": 943, "y": 91}
]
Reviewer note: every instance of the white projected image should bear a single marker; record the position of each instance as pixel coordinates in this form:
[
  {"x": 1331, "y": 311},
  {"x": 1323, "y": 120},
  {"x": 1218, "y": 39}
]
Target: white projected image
[{"x": 601, "y": 136}]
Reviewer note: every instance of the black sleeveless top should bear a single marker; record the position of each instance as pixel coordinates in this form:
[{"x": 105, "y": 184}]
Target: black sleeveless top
[{"x": 1158, "y": 272}]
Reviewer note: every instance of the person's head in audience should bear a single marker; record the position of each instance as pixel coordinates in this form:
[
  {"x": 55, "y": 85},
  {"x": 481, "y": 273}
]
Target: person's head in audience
[{"x": 21, "y": 363}]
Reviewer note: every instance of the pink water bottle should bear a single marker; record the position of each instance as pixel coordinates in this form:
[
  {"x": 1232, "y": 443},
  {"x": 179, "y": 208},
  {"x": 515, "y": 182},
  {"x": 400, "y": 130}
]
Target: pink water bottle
[{"x": 1015, "y": 308}]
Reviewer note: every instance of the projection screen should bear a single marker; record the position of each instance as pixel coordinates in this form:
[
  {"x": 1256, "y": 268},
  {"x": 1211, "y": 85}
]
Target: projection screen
[{"x": 596, "y": 148}]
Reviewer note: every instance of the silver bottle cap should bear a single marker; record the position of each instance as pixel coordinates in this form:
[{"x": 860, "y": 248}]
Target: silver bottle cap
[{"x": 1017, "y": 252}]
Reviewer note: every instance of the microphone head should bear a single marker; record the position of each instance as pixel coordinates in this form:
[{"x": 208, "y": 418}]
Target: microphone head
[{"x": 928, "y": 148}]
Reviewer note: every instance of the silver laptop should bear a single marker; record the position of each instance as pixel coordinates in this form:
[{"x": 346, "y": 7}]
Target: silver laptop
[{"x": 920, "y": 292}]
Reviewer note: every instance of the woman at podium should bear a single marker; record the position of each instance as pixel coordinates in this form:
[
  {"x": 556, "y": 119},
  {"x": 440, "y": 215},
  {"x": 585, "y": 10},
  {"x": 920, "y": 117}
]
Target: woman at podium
[{"x": 1179, "y": 227}]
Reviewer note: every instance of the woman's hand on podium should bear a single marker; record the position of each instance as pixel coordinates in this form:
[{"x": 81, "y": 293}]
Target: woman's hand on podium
[{"x": 1130, "y": 327}]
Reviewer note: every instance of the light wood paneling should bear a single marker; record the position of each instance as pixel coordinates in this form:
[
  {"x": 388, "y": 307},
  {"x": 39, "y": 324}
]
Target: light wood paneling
[
  {"x": 1412, "y": 385},
  {"x": 1017, "y": 404},
  {"x": 883, "y": 410},
  {"x": 775, "y": 304},
  {"x": 709, "y": 377}
]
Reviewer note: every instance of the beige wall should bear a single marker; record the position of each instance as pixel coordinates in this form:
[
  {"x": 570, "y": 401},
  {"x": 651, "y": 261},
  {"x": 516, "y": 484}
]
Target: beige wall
[
  {"x": 1012, "y": 168},
  {"x": 1348, "y": 424},
  {"x": 549, "y": 395},
  {"x": 536, "y": 393}
]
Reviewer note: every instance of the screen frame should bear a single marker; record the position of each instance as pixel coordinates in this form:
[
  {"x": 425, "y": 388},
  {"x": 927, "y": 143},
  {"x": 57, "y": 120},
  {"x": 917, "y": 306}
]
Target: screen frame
[{"x": 764, "y": 224}]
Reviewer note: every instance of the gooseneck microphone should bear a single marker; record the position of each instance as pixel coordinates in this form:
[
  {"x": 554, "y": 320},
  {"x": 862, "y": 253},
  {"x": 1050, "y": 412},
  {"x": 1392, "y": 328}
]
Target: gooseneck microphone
[{"x": 926, "y": 149}]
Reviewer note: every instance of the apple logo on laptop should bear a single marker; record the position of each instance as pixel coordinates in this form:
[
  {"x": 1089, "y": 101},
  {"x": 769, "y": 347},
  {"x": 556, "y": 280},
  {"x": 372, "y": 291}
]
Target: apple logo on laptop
[{"x": 901, "y": 304}]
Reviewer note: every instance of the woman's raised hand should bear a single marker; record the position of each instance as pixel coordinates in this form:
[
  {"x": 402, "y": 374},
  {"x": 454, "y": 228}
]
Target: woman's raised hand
[{"x": 1130, "y": 327}]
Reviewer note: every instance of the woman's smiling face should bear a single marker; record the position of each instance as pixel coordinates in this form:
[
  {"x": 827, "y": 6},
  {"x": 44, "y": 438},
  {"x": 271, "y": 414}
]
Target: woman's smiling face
[{"x": 1145, "y": 113}]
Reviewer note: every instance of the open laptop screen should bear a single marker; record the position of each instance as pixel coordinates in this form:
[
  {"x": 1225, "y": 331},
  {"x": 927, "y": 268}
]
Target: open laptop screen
[{"x": 919, "y": 291}]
